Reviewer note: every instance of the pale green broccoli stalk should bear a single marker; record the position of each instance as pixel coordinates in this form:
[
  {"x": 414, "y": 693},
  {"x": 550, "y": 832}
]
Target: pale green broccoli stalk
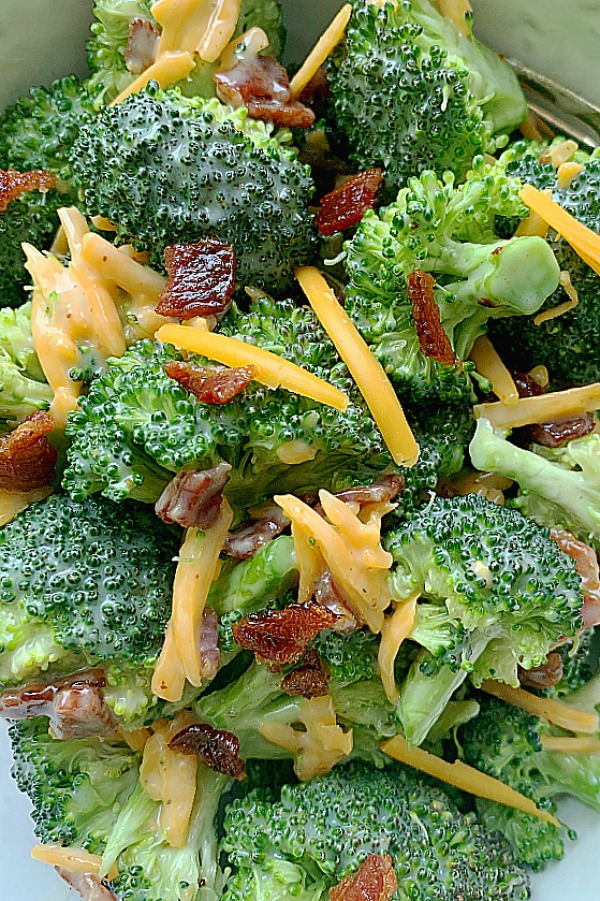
[
  {"x": 506, "y": 743},
  {"x": 23, "y": 387},
  {"x": 447, "y": 230},
  {"x": 107, "y": 47},
  {"x": 208, "y": 170},
  {"x": 558, "y": 487},
  {"x": 504, "y": 590},
  {"x": 305, "y": 841},
  {"x": 434, "y": 97}
]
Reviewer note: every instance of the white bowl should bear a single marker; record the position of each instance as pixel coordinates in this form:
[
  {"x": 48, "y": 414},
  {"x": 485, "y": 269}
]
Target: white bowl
[{"x": 44, "y": 39}]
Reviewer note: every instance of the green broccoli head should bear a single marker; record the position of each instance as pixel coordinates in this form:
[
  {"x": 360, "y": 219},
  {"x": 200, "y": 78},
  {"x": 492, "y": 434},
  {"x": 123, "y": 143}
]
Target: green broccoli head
[
  {"x": 316, "y": 833},
  {"x": 208, "y": 171},
  {"x": 23, "y": 387},
  {"x": 137, "y": 426},
  {"x": 434, "y": 97},
  {"x": 76, "y": 786},
  {"x": 82, "y": 583},
  {"x": 504, "y": 592},
  {"x": 446, "y": 230},
  {"x": 110, "y": 34},
  {"x": 557, "y": 486}
]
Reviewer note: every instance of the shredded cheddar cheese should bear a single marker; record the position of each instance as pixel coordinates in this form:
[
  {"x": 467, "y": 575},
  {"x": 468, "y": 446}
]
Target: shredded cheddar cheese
[
  {"x": 168, "y": 69},
  {"x": 568, "y": 744},
  {"x": 489, "y": 364},
  {"x": 542, "y": 407},
  {"x": 546, "y": 708},
  {"x": 396, "y": 628},
  {"x": 560, "y": 153},
  {"x": 75, "y": 860},
  {"x": 271, "y": 370},
  {"x": 566, "y": 173},
  {"x": 458, "y": 12},
  {"x": 366, "y": 370},
  {"x": 330, "y": 38},
  {"x": 168, "y": 678},
  {"x": 463, "y": 776}
]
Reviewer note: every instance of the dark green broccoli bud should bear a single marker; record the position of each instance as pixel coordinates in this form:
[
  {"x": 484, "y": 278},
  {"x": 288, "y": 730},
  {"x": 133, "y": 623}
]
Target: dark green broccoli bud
[
  {"x": 568, "y": 344},
  {"x": 447, "y": 230},
  {"x": 316, "y": 833},
  {"x": 107, "y": 47},
  {"x": 208, "y": 171},
  {"x": 558, "y": 487},
  {"x": 349, "y": 657},
  {"x": 37, "y": 133},
  {"x": 434, "y": 97},
  {"x": 137, "y": 426},
  {"x": 579, "y": 664},
  {"x": 86, "y": 581},
  {"x": 76, "y": 786},
  {"x": 506, "y": 743},
  {"x": 505, "y": 590}
]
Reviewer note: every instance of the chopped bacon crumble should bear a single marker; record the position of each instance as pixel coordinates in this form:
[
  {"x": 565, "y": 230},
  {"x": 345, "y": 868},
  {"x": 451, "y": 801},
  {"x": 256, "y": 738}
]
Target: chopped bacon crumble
[
  {"x": 374, "y": 881},
  {"x": 193, "y": 499},
  {"x": 14, "y": 183},
  {"x": 210, "y": 384},
  {"x": 544, "y": 676},
  {"x": 282, "y": 636},
  {"x": 142, "y": 46},
  {"x": 308, "y": 680},
  {"x": 247, "y": 541},
  {"x": 345, "y": 206},
  {"x": 201, "y": 279},
  {"x": 217, "y": 748},
  {"x": 27, "y": 459},
  {"x": 261, "y": 84},
  {"x": 433, "y": 340}
]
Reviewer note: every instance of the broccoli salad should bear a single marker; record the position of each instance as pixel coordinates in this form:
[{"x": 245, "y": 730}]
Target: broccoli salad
[{"x": 299, "y": 461}]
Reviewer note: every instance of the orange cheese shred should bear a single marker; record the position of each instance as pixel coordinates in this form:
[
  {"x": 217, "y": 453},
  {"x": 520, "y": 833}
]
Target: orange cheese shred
[
  {"x": 75, "y": 860},
  {"x": 395, "y": 629},
  {"x": 546, "y": 708}
]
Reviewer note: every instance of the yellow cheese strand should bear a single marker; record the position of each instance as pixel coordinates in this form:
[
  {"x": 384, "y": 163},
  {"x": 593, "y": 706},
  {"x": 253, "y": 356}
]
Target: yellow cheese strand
[
  {"x": 567, "y": 744},
  {"x": 271, "y": 370},
  {"x": 456, "y": 11},
  {"x": 546, "y": 708},
  {"x": 542, "y": 407},
  {"x": 330, "y": 38},
  {"x": 463, "y": 776},
  {"x": 168, "y": 679},
  {"x": 366, "y": 370},
  {"x": 395, "y": 629},
  {"x": 489, "y": 364},
  {"x": 220, "y": 29},
  {"x": 75, "y": 860},
  {"x": 168, "y": 69}
]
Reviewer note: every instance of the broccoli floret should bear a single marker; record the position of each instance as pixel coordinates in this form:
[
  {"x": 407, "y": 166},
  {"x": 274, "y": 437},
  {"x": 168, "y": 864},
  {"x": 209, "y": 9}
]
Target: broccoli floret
[
  {"x": 447, "y": 230},
  {"x": 317, "y": 833},
  {"x": 208, "y": 170},
  {"x": 579, "y": 664},
  {"x": 434, "y": 97},
  {"x": 37, "y": 133},
  {"x": 137, "y": 426},
  {"x": 505, "y": 591},
  {"x": 106, "y": 49},
  {"x": 86, "y": 584},
  {"x": 23, "y": 387},
  {"x": 76, "y": 786},
  {"x": 506, "y": 743},
  {"x": 557, "y": 486},
  {"x": 349, "y": 657}
]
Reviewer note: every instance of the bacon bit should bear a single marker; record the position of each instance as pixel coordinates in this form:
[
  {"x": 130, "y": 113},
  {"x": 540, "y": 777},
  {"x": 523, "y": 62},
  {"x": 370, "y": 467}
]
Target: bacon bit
[
  {"x": 193, "y": 499},
  {"x": 375, "y": 881},
  {"x": 88, "y": 885},
  {"x": 14, "y": 183},
  {"x": 142, "y": 46},
  {"x": 557, "y": 432},
  {"x": 201, "y": 279},
  {"x": 27, "y": 459},
  {"x": 281, "y": 636},
  {"x": 308, "y": 681},
  {"x": 433, "y": 340},
  {"x": 316, "y": 93},
  {"x": 346, "y": 205},
  {"x": 208, "y": 645},
  {"x": 586, "y": 564},
  {"x": 329, "y": 594},
  {"x": 261, "y": 84},
  {"x": 544, "y": 676},
  {"x": 382, "y": 491},
  {"x": 248, "y": 540},
  {"x": 217, "y": 748},
  {"x": 210, "y": 384},
  {"x": 527, "y": 385}
]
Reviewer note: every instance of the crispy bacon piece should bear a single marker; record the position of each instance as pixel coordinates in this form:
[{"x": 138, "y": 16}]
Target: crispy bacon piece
[
  {"x": 281, "y": 636},
  {"x": 316, "y": 93},
  {"x": 374, "y": 881},
  {"x": 201, "y": 279},
  {"x": 89, "y": 886},
  {"x": 328, "y": 594},
  {"x": 210, "y": 655},
  {"x": 27, "y": 459},
  {"x": 193, "y": 499},
  {"x": 14, "y": 183},
  {"x": 586, "y": 564},
  {"x": 526, "y": 385},
  {"x": 142, "y": 46},
  {"x": 248, "y": 540},
  {"x": 261, "y": 84},
  {"x": 345, "y": 206},
  {"x": 433, "y": 340},
  {"x": 308, "y": 681},
  {"x": 218, "y": 749},
  {"x": 544, "y": 676},
  {"x": 210, "y": 384},
  {"x": 557, "y": 432},
  {"x": 74, "y": 704}
]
